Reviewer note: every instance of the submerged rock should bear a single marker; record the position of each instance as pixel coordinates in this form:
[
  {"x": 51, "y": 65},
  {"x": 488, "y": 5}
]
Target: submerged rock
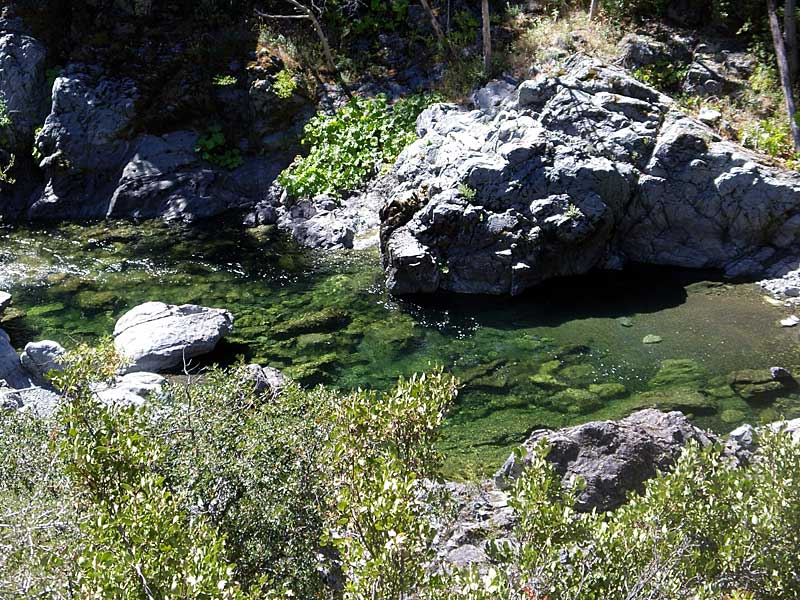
[
  {"x": 760, "y": 385},
  {"x": 581, "y": 170},
  {"x": 688, "y": 400},
  {"x": 614, "y": 457},
  {"x": 157, "y": 337}
]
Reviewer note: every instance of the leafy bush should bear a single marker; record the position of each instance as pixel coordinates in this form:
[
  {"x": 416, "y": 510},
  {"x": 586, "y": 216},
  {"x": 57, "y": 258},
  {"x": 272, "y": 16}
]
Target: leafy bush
[
  {"x": 224, "y": 80},
  {"x": 663, "y": 75},
  {"x": 7, "y": 157},
  {"x": 347, "y": 148},
  {"x": 138, "y": 535},
  {"x": 708, "y": 530},
  {"x": 212, "y": 489},
  {"x": 212, "y": 147},
  {"x": 770, "y": 136},
  {"x": 285, "y": 84}
]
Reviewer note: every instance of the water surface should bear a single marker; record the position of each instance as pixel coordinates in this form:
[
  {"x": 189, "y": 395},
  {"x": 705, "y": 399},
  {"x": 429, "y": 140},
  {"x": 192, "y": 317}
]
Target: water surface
[{"x": 568, "y": 352}]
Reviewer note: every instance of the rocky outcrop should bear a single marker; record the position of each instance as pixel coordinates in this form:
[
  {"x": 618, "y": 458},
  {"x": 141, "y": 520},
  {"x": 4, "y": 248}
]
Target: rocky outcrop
[
  {"x": 97, "y": 168},
  {"x": 585, "y": 169},
  {"x": 322, "y": 221},
  {"x": 22, "y": 82},
  {"x": 613, "y": 457},
  {"x": 158, "y": 337}
]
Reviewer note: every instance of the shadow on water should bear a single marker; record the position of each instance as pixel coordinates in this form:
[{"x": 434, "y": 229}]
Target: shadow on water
[{"x": 601, "y": 294}]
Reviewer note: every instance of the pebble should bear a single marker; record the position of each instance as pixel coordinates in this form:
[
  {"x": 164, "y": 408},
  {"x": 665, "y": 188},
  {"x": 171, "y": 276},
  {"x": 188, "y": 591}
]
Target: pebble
[
  {"x": 709, "y": 116},
  {"x": 790, "y": 321},
  {"x": 651, "y": 339},
  {"x": 625, "y": 321}
]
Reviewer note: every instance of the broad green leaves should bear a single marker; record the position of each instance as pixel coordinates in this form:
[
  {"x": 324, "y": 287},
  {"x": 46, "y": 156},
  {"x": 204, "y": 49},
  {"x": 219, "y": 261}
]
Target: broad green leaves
[{"x": 350, "y": 146}]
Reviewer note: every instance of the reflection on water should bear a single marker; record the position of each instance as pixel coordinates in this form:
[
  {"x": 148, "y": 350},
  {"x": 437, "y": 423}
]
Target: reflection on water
[{"x": 568, "y": 352}]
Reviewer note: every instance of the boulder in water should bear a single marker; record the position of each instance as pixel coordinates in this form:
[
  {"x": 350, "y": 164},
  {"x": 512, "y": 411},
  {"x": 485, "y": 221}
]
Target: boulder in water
[
  {"x": 588, "y": 168},
  {"x": 158, "y": 337}
]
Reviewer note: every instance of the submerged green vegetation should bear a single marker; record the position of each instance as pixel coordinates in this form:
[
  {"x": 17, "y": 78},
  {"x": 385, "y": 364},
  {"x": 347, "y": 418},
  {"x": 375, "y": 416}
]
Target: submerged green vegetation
[{"x": 544, "y": 360}]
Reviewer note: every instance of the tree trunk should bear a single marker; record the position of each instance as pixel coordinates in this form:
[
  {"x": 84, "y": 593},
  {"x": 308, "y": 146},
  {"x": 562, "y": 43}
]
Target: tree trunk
[
  {"x": 783, "y": 69},
  {"x": 437, "y": 29},
  {"x": 305, "y": 12},
  {"x": 790, "y": 38},
  {"x": 595, "y": 6},
  {"x": 487, "y": 39}
]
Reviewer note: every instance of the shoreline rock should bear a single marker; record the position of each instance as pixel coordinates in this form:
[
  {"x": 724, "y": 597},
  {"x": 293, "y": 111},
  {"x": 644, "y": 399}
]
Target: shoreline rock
[{"x": 589, "y": 169}]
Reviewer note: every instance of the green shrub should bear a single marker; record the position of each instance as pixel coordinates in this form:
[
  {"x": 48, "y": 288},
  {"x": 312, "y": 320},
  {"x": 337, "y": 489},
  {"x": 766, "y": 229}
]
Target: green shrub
[
  {"x": 138, "y": 536},
  {"x": 285, "y": 84},
  {"x": 663, "y": 75},
  {"x": 347, "y": 148},
  {"x": 224, "y": 80},
  {"x": 212, "y": 147},
  {"x": 771, "y": 136},
  {"x": 7, "y": 157},
  {"x": 212, "y": 489},
  {"x": 708, "y": 530}
]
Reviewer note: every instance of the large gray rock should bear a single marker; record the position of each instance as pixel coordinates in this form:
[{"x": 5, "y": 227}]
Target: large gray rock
[
  {"x": 86, "y": 128},
  {"x": 589, "y": 169},
  {"x": 11, "y": 371},
  {"x": 614, "y": 457},
  {"x": 22, "y": 83},
  {"x": 39, "y": 358},
  {"x": 166, "y": 178},
  {"x": 158, "y": 337},
  {"x": 95, "y": 168}
]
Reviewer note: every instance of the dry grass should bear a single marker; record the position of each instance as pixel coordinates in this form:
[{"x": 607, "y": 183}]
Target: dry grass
[{"x": 541, "y": 41}]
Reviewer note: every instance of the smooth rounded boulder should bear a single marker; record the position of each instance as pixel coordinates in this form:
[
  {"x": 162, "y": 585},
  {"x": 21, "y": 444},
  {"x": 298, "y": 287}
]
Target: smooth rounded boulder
[
  {"x": 158, "y": 337},
  {"x": 40, "y": 358}
]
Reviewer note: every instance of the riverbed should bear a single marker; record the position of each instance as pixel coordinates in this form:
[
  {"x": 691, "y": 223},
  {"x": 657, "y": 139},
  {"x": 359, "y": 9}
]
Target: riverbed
[{"x": 567, "y": 352}]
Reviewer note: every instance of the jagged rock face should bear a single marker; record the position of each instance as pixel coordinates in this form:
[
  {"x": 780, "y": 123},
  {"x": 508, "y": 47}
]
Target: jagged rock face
[
  {"x": 95, "y": 168},
  {"x": 586, "y": 169},
  {"x": 22, "y": 82},
  {"x": 613, "y": 457}
]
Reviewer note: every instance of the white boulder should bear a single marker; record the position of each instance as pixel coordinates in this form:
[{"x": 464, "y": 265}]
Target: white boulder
[{"x": 158, "y": 337}]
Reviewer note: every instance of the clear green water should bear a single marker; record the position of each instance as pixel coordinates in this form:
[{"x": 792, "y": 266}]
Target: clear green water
[{"x": 566, "y": 353}]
